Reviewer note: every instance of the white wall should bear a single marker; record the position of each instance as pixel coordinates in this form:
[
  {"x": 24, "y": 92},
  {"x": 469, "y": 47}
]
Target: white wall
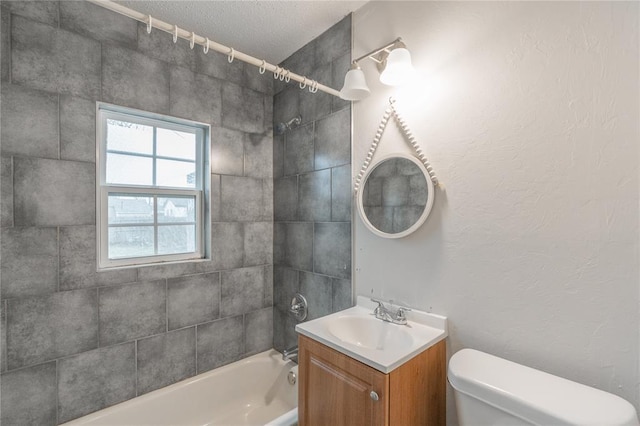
[{"x": 529, "y": 114}]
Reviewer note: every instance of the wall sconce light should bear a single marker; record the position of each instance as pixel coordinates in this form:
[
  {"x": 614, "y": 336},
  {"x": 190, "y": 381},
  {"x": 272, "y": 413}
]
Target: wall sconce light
[{"x": 394, "y": 63}]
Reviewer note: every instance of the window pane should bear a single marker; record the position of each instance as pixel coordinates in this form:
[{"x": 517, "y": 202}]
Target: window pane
[
  {"x": 172, "y": 143},
  {"x": 129, "y": 170},
  {"x": 129, "y": 137},
  {"x": 130, "y": 209},
  {"x": 130, "y": 241},
  {"x": 176, "y": 209},
  {"x": 174, "y": 239},
  {"x": 177, "y": 174}
]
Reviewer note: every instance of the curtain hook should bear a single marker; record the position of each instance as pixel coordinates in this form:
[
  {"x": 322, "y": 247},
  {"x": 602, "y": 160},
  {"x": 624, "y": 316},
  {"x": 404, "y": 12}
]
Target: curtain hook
[
  {"x": 312, "y": 86},
  {"x": 175, "y": 33},
  {"x": 205, "y": 49},
  {"x": 276, "y": 73},
  {"x": 149, "y": 24},
  {"x": 192, "y": 42},
  {"x": 288, "y": 76},
  {"x": 232, "y": 54},
  {"x": 302, "y": 86},
  {"x": 263, "y": 67},
  {"x": 282, "y": 74}
]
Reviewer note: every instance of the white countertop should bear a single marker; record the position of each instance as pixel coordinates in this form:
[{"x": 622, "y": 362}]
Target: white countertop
[{"x": 384, "y": 346}]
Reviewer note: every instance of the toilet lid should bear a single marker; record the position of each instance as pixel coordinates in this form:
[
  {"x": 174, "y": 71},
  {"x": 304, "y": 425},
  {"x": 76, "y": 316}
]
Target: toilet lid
[{"x": 534, "y": 395}]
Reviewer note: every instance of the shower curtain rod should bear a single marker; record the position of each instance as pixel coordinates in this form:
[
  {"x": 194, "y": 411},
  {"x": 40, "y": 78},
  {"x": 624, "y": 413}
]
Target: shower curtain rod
[{"x": 278, "y": 72}]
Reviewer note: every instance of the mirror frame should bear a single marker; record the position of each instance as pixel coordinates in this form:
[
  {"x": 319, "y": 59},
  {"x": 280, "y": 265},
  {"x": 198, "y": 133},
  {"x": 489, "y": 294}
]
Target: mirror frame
[{"x": 427, "y": 207}]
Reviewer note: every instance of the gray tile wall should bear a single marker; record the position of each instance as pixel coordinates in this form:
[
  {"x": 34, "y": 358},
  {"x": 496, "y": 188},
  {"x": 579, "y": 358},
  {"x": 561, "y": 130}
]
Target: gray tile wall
[
  {"x": 312, "y": 187},
  {"x": 74, "y": 340}
]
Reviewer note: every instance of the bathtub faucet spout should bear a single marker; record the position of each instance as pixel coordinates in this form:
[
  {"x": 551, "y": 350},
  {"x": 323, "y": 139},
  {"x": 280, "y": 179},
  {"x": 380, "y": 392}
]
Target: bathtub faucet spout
[{"x": 290, "y": 353}]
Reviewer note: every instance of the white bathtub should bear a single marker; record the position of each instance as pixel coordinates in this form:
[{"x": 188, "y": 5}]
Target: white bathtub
[{"x": 252, "y": 391}]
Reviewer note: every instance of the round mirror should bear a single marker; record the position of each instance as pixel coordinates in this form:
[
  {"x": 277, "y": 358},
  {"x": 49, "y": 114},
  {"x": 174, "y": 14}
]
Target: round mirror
[{"x": 396, "y": 197}]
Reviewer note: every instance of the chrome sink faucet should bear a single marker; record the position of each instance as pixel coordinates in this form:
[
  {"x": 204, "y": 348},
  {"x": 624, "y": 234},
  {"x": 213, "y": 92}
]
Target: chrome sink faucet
[{"x": 391, "y": 314}]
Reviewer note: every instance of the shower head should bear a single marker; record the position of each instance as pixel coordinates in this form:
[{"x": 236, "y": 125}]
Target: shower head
[{"x": 280, "y": 128}]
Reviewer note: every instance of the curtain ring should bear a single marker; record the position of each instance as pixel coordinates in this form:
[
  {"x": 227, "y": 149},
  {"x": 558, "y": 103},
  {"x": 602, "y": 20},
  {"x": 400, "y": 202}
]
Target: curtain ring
[
  {"x": 313, "y": 82},
  {"x": 276, "y": 73},
  {"x": 232, "y": 54},
  {"x": 314, "y": 87},
  {"x": 192, "y": 42},
  {"x": 282, "y": 74},
  {"x": 149, "y": 24},
  {"x": 205, "y": 49},
  {"x": 263, "y": 67},
  {"x": 175, "y": 33},
  {"x": 302, "y": 86},
  {"x": 287, "y": 77}
]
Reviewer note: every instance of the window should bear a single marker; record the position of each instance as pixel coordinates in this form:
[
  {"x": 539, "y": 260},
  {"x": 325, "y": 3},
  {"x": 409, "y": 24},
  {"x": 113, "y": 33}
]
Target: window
[{"x": 152, "y": 195}]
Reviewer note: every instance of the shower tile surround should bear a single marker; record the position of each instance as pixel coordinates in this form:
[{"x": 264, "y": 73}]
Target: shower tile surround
[
  {"x": 312, "y": 187},
  {"x": 74, "y": 340}
]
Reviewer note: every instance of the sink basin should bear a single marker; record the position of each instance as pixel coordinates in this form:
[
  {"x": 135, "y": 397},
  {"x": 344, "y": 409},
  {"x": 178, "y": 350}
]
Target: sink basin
[
  {"x": 369, "y": 332},
  {"x": 384, "y": 346}
]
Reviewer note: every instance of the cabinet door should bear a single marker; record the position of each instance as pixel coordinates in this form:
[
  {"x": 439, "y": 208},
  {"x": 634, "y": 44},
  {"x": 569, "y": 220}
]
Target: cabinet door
[{"x": 336, "y": 390}]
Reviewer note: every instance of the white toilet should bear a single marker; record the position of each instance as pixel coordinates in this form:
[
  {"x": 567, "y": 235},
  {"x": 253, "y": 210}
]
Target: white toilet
[{"x": 493, "y": 391}]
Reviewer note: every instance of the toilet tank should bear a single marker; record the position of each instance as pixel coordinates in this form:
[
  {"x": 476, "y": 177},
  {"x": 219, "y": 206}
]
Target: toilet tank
[{"x": 487, "y": 384}]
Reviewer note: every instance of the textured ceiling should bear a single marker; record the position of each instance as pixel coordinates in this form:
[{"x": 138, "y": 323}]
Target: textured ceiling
[{"x": 269, "y": 30}]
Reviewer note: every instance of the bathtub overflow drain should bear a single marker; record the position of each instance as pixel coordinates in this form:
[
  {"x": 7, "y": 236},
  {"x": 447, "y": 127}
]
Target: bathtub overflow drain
[{"x": 292, "y": 378}]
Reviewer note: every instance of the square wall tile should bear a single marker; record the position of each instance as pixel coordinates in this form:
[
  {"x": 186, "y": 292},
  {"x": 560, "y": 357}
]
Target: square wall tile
[
  {"x": 131, "y": 79},
  {"x": 286, "y": 105},
  {"x": 341, "y": 193},
  {"x": 317, "y": 289},
  {"x": 29, "y": 261},
  {"x": 278, "y": 156},
  {"x": 95, "y": 380},
  {"x": 212, "y": 64},
  {"x": 132, "y": 311},
  {"x": 284, "y": 330},
  {"x": 242, "y": 291},
  {"x": 159, "y": 45},
  {"x": 258, "y": 243},
  {"x": 332, "y": 249},
  {"x": 193, "y": 300},
  {"x": 78, "y": 261},
  {"x": 227, "y": 151},
  {"x": 258, "y": 331},
  {"x": 298, "y": 150},
  {"x": 341, "y": 294},
  {"x": 29, "y": 396},
  {"x": 285, "y": 198},
  {"x": 5, "y": 43},
  {"x": 166, "y": 359},
  {"x": 334, "y": 42},
  {"x": 286, "y": 284},
  {"x": 314, "y": 196},
  {"x": 6, "y": 191},
  {"x": 242, "y": 108},
  {"x": 77, "y": 129},
  {"x": 55, "y": 60},
  {"x": 48, "y": 327},
  {"x": 258, "y": 155},
  {"x": 227, "y": 245},
  {"x": 29, "y": 122},
  {"x": 268, "y": 286},
  {"x": 254, "y": 80},
  {"x": 219, "y": 343},
  {"x": 242, "y": 199},
  {"x": 333, "y": 140},
  {"x": 52, "y": 192},
  {"x": 98, "y": 23},
  {"x": 195, "y": 96},
  {"x": 45, "y": 12},
  {"x": 298, "y": 246}
]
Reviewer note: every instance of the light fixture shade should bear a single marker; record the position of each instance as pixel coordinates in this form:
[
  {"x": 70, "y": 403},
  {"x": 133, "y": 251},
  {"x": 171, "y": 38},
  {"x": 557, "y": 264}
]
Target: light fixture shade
[
  {"x": 398, "y": 67},
  {"x": 355, "y": 86}
]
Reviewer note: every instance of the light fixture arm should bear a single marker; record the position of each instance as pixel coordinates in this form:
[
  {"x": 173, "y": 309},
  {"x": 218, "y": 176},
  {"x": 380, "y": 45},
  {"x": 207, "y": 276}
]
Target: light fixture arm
[{"x": 371, "y": 55}]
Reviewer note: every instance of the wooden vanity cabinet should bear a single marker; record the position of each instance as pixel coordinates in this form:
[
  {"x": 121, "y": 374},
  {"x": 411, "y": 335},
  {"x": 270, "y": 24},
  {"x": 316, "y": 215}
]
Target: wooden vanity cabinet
[{"x": 336, "y": 390}]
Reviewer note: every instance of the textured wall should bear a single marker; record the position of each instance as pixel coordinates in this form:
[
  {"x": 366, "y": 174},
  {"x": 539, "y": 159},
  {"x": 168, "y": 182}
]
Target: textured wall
[
  {"x": 75, "y": 340},
  {"x": 529, "y": 113},
  {"x": 312, "y": 186}
]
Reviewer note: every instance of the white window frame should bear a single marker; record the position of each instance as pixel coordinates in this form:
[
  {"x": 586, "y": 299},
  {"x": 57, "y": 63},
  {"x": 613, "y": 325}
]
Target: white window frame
[{"x": 201, "y": 192}]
